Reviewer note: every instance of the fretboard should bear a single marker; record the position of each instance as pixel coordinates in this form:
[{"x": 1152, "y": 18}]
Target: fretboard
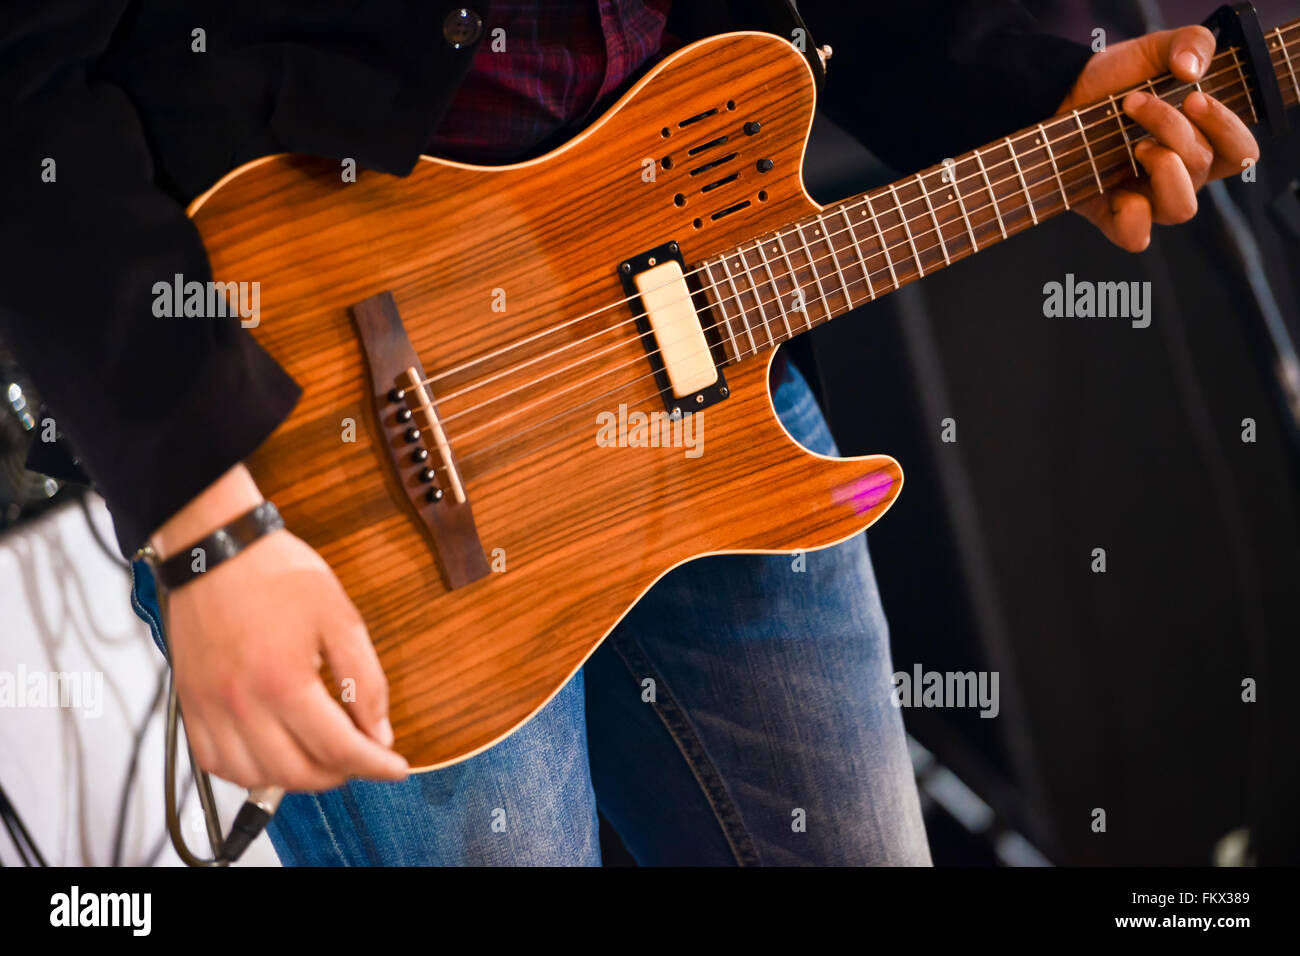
[{"x": 775, "y": 287}]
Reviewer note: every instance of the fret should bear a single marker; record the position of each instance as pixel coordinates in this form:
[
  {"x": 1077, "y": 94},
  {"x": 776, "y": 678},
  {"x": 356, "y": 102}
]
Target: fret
[
  {"x": 1287, "y": 57},
  {"x": 943, "y": 246},
  {"x": 902, "y": 216},
  {"x": 1047, "y": 144},
  {"x": 758, "y": 298},
  {"x": 794, "y": 277},
  {"x": 775, "y": 288},
  {"x": 1244, "y": 85},
  {"x": 740, "y": 306},
  {"x": 866, "y": 272},
  {"x": 1119, "y": 119},
  {"x": 956, "y": 190},
  {"x": 1083, "y": 134},
  {"x": 1033, "y": 213},
  {"x": 835, "y": 261},
  {"x": 884, "y": 246},
  {"x": 807, "y": 254},
  {"x": 992, "y": 195},
  {"x": 735, "y": 348}
]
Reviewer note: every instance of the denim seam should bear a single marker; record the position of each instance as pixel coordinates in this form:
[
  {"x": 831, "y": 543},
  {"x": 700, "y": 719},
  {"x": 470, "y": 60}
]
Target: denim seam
[
  {"x": 693, "y": 751},
  {"x": 329, "y": 832}
]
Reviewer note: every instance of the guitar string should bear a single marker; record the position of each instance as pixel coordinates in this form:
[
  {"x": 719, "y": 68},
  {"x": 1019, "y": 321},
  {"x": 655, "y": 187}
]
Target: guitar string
[
  {"x": 938, "y": 232},
  {"x": 1109, "y": 117},
  {"x": 722, "y": 299},
  {"x": 564, "y": 324},
  {"x": 754, "y": 291},
  {"x": 461, "y": 436},
  {"x": 477, "y": 453}
]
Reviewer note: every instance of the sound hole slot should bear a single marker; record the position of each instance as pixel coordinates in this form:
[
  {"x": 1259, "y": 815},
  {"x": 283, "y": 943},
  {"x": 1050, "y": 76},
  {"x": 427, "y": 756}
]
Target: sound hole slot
[
  {"x": 717, "y": 162},
  {"x": 721, "y": 182},
  {"x": 729, "y": 210},
  {"x": 696, "y": 118},
  {"x": 709, "y": 145}
]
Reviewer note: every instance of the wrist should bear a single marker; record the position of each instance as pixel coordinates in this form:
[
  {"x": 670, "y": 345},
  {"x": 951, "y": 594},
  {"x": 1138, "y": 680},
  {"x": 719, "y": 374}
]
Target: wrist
[{"x": 230, "y": 496}]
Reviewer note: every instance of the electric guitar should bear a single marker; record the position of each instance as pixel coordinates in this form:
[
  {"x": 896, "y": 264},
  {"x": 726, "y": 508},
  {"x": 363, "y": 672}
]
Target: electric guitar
[{"x": 530, "y": 391}]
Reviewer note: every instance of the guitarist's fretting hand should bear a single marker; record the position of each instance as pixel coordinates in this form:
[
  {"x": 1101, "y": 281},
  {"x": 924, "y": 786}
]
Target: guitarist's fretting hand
[
  {"x": 1203, "y": 142},
  {"x": 247, "y": 641}
]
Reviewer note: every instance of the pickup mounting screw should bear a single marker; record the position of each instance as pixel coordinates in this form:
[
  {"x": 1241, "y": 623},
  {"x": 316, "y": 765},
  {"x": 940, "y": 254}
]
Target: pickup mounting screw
[
  {"x": 627, "y": 267},
  {"x": 672, "y": 247},
  {"x": 724, "y": 391}
]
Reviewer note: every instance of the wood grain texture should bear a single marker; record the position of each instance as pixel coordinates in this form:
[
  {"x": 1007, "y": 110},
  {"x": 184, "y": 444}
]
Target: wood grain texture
[{"x": 584, "y": 529}]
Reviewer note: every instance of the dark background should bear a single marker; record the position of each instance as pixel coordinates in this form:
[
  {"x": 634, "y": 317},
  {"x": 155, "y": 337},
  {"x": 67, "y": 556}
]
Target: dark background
[{"x": 1120, "y": 690}]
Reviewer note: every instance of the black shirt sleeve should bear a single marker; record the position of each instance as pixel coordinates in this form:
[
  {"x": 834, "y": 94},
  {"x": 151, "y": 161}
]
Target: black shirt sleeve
[
  {"x": 85, "y": 234},
  {"x": 921, "y": 80}
]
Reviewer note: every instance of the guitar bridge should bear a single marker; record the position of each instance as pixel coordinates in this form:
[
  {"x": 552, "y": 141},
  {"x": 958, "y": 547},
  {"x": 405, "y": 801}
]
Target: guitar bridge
[{"x": 418, "y": 450}]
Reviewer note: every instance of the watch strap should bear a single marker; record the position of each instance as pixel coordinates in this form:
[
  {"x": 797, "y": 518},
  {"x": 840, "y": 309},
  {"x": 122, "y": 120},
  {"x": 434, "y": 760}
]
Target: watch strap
[{"x": 221, "y": 545}]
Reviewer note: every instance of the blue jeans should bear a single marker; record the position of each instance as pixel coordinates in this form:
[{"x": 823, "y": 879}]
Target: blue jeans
[{"x": 740, "y": 714}]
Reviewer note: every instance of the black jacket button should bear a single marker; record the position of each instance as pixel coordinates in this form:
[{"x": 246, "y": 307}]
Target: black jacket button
[{"x": 462, "y": 27}]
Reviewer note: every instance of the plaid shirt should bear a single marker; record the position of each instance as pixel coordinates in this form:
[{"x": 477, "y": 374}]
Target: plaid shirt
[{"x": 562, "y": 59}]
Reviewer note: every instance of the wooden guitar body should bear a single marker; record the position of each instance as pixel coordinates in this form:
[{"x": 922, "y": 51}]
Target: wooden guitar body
[{"x": 507, "y": 284}]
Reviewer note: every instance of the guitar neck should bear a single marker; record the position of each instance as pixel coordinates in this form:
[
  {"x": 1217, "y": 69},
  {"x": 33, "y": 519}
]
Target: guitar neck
[{"x": 776, "y": 287}]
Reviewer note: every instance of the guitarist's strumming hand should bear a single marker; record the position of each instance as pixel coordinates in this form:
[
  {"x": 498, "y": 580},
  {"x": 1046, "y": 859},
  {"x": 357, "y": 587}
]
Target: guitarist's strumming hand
[
  {"x": 247, "y": 641},
  {"x": 1202, "y": 142}
]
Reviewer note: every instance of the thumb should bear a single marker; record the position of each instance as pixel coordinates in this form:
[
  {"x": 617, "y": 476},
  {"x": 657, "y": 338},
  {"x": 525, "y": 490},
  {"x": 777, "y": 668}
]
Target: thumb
[{"x": 1185, "y": 51}]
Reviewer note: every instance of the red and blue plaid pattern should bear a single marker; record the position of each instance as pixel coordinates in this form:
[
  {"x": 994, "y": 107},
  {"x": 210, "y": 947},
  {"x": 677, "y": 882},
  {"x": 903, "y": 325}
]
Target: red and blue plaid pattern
[{"x": 560, "y": 61}]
